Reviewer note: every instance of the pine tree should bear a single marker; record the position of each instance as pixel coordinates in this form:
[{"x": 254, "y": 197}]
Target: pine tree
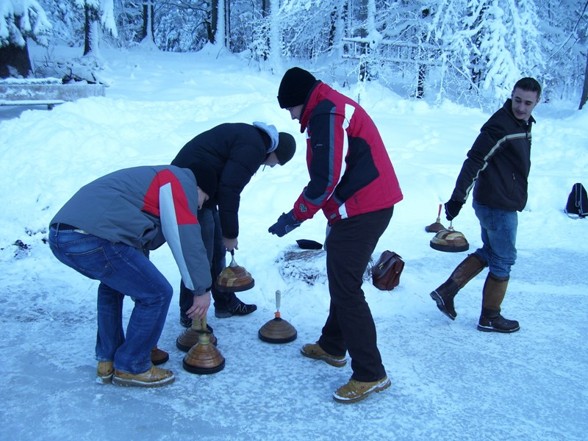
[{"x": 19, "y": 20}]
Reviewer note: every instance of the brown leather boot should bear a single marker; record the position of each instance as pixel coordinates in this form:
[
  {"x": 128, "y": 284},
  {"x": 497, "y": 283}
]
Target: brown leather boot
[
  {"x": 158, "y": 356},
  {"x": 154, "y": 377},
  {"x": 469, "y": 268},
  {"x": 493, "y": 295}
]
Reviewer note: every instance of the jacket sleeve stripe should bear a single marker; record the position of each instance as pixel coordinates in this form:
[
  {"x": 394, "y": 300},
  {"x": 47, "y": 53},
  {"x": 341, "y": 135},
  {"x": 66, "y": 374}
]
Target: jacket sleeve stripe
[
  {"x": 349, "y": 111},
  {"x": 496, "y": 146},
  {"x": 170, "y": 227}
]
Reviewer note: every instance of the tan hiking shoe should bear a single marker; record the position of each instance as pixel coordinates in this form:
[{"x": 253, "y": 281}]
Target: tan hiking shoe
[
  {"x": 355, "y": 390},
  {"x": 313, "y": 350},
  {"x": 104, "y": 372},
  {"x": 154, "y": 377},
  {"x": 158, "y": 356}
]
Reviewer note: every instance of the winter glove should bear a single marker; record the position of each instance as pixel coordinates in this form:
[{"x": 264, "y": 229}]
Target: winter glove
[
  {"x": 452, "y": 208},
  {"x": 307, "y": 244},
  {"x": 286, "y": 223}
]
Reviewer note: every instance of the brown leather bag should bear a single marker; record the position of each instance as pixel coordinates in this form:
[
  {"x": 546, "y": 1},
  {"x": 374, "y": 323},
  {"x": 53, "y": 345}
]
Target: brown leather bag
[{"x": 387, "y": 270}]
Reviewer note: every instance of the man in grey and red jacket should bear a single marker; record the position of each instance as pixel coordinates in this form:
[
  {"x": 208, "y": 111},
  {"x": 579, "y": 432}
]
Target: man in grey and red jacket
[
  {"x": 105, "y": 232},
  {"x": 353, "y": 182}
]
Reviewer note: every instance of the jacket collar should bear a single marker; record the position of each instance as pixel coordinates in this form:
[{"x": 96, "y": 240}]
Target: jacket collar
[
  {"x": 314, "y": 96},
  {"x": 508, "y": 108}
]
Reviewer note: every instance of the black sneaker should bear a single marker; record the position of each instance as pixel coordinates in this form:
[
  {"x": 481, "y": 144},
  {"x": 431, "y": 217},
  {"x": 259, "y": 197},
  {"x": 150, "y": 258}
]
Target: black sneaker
[
  {"x": 497, "y": 323},
  {"x": 239, "y": 308},
  {"x": 185, "y": 322}
]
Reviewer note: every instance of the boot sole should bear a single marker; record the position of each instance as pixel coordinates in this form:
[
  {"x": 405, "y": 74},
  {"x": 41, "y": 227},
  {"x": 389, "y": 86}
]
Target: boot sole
[
  {"x": 502, "y": 331},
  {"x": 227, "y": 314},
  {"x": 375, "y": 389},
  {"x": 138, "y": 383},
  {"x": 106, "y": 379},
  {"x": 441, "y": 305}
]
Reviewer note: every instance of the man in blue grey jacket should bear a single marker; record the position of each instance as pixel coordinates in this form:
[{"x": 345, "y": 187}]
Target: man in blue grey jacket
[
  {"x": 497, "y": 168},
  {"x": 105, "y": 232}
]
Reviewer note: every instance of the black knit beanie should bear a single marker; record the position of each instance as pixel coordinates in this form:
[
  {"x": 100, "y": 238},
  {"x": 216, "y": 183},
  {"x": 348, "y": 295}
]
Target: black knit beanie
[
  {"x": 295, "y": 86},
  {"x": 206, "y": 179},
  {"x": 286, "y": 147}
]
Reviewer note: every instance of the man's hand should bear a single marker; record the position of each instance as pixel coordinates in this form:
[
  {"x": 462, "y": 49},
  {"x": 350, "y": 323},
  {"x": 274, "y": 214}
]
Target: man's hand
[
  {"x": 452, "y": 208},
  {"x": 286, "y": 223},
  {"x": 199, "y": 306},
  {"x": 231, "y": 244}
]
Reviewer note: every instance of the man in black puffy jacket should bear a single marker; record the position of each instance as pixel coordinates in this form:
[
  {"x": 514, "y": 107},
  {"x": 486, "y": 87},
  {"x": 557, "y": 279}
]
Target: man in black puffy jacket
[
  {"x": 497, "y": 167},
  {"x": 235, "y": 151}
]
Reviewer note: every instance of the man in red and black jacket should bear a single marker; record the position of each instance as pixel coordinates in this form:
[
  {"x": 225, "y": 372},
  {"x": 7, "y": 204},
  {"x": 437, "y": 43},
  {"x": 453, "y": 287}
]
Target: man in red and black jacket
[{"x": 353, "y": 182}]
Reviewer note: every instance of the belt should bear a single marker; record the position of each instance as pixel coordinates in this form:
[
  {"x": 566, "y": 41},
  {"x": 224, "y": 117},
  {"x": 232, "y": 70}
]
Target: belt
[{"x": 60, "y": 226}]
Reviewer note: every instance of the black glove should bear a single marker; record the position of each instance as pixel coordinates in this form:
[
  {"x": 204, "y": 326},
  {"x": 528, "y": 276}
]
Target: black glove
[
  {"x": 286, "y": 223},
  {"x": 307, "y": 244},
  {"x": 452, "y": 208}
]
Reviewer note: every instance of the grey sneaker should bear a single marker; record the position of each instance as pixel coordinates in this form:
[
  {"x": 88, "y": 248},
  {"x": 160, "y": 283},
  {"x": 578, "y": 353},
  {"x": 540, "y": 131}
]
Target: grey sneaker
[
  {"x": 154, "y": 377},
  {"x": 313, "y": 350},
  {"x": 355, "y": 390}
]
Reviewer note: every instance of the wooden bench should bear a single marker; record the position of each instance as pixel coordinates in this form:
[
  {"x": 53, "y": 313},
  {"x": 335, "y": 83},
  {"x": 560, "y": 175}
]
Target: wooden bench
[
  {"x": 44, "y": 91},
  {"x": 49, "y": 103}
]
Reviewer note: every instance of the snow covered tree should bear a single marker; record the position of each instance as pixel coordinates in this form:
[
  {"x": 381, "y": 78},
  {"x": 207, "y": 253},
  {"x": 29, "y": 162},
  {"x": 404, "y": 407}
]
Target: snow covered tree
[
  {"x": 508, "y": 45},
  {"x": 220, "y": 31},
  {"x": 274, "y": 35},
  {"x": 147, "y": 19},
  {"x": 188, "y": 25},
  {"x": 583, "y": 32},
  {"x": 242, "y": 18},
  {"x": 584, "y": 97},
  {"x": 496, "y": 63},
  {"x": 19, "y": 20},
  {"x": 98, "y": 15},
  {"x": 215, "y": 21},
  {"x": 372, "y": 37},
  {"x": 307, "y": 27},
  {"x": 67, "y": 20},
  {"x": 563, "y": 39},
  {"x": 425, "y": 48},
  {"x": 487, "y": 45}
]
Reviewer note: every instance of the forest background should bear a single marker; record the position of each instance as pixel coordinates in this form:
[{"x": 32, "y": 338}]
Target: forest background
[{"x": 468, "y": 51}]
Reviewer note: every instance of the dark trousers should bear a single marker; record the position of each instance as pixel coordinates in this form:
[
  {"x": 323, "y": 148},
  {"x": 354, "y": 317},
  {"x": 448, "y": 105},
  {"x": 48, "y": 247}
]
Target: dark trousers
[
  {"x": 350, "y": 325},
  {"x": 212, "y": 237}
]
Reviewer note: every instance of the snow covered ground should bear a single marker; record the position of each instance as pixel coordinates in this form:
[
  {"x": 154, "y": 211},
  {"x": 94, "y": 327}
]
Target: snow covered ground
[{"x": 449, "y": 381}]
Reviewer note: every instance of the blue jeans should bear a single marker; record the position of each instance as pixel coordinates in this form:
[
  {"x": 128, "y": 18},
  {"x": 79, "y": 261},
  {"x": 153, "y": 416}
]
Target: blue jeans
[
  {"x": 122, "y": 270},
  {"x": 499, "y": 235}
]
